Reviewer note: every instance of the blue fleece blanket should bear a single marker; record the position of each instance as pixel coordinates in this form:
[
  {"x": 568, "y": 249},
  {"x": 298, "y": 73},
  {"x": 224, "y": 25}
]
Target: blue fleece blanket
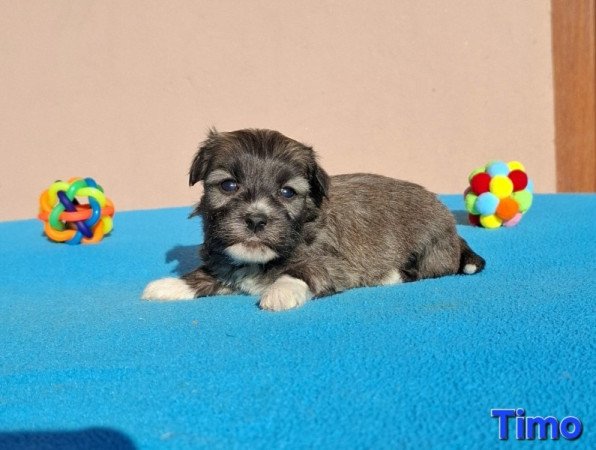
[{"x": 84, "y": 364}]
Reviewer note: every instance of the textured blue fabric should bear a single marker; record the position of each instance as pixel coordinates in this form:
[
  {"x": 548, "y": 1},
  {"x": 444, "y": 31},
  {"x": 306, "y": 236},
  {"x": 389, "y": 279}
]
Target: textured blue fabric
[{"x": 419, "y": 365}]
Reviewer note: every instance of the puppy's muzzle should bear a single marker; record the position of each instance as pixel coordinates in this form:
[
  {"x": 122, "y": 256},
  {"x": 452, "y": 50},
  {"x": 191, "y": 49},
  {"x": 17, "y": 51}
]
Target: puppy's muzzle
[{"x": 256, "y": 222}]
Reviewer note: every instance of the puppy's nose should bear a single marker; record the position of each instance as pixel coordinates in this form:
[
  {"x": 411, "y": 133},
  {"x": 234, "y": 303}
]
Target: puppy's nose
[{"x": 256, "y": 222}]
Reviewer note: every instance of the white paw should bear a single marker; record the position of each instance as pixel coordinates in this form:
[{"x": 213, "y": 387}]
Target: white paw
[
  {"x": 168, "y": 289},
  {"x": 469, "y": 269},
  {"x": 287, "y": 292},
  {"x": 393, "y": 277}
]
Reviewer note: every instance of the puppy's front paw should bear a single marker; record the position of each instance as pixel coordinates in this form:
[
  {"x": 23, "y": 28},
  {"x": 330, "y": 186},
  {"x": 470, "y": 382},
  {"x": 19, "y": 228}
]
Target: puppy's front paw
[
  {"x": 168, "y": 289},
  {"x": 287, "y": 292}
]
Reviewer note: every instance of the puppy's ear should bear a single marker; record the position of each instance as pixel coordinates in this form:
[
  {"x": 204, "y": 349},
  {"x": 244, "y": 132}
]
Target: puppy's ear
[
  {"x": 200, "y": 163},
  {"x": 319, "y": 182}
]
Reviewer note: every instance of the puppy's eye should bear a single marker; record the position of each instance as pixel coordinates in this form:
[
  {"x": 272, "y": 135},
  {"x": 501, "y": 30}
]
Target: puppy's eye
[
  {"x": 287, "y": 192},
  {"x": 229, "y": 186}
]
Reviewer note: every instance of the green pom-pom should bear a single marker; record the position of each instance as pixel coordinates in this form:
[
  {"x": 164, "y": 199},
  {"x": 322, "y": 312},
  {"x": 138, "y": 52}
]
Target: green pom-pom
[
  {"x": 524, "y": 199},
  {"x": 470, "y": 202}
]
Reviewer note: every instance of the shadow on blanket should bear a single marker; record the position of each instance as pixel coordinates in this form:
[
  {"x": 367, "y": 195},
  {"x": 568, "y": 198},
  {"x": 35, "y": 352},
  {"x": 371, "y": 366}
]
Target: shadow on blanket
[
  {"x": 187, "y": 257},
  {"x": 85, "y": 439}
]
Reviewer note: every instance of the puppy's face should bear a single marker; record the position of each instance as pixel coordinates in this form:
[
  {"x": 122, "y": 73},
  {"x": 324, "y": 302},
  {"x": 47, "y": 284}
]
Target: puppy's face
[{"x": 260, "y": 187}]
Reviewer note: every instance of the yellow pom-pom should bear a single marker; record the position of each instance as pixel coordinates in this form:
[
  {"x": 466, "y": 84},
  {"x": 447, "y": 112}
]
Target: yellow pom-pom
[
  {"x": 490, "y": 221},
  {"x": 501, "y": 186},
  {"x": 515, "y": 165}
]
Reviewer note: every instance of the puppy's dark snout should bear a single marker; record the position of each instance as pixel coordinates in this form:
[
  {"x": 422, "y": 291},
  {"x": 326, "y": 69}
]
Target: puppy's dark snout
[{"x": 256, "y": 222}]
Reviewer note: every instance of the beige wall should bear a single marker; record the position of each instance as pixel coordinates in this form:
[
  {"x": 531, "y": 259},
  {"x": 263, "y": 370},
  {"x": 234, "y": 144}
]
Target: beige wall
[{"x": 124, "y": 90}]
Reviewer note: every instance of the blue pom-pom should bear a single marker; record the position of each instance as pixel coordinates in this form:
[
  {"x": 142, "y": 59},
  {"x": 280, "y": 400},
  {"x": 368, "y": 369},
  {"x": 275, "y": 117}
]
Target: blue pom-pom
[
  {"x": 487, "y": 203},
  {"x": 497, "y": 168}
]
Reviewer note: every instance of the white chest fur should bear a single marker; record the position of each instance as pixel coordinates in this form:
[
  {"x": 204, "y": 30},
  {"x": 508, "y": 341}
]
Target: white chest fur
[{"x": 249, "y": 279}]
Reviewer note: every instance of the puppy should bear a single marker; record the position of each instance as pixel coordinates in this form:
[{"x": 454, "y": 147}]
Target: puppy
[{"x": 278, "y": 227}]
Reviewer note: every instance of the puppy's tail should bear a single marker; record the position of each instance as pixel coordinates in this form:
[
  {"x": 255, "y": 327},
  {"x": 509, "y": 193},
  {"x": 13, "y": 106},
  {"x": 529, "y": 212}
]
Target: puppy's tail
[{"x": 469, "y": 262}]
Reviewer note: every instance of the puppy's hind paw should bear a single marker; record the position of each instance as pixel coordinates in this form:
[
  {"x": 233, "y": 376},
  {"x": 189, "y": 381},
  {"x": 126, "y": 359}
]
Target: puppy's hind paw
[
  {"x": 287, "y": 292},
  {"x": 168, "y": 289}
]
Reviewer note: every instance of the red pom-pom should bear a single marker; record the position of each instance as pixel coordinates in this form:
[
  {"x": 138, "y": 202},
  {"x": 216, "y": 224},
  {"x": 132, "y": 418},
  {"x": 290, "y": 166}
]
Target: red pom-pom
[
  {"x": 480, "y": 183},
  {"x": 474, "y": 219},
  {"x": 519, "y": 179}
]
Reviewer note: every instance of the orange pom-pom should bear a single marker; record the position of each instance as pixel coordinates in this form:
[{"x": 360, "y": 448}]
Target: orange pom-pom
[{"x": 507, "y": 208}]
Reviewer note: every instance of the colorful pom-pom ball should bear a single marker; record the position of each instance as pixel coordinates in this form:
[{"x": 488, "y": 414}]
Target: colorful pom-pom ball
[
  {"x": 498, "y": 194},
  {"x": 67, "y": 219}
]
